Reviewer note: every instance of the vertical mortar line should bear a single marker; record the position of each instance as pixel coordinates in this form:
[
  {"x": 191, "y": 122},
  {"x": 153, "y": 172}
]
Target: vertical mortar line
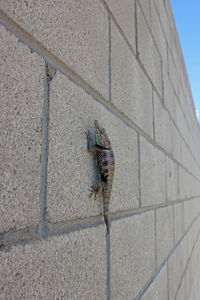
[
  {"x": 167, "y": 281},
  {"x": 183, "y": 208},
  {"x": 139, "y": 173},
  {"x": 150, "y": 9},
  {"x": 173, "y": 226},
  {"x": 108, "y": 266},
  {"x": 178, "y": 174},
  {"x": 162, "y": 79},
  {"x": 153, "y": 107},
  {"x": 166, "y": 174},
  {"x": 155, "y": 240},
  {"x": 109, "y": 60},
  {"x": 44, "y": 151},
  {"x": 136, "y": 31}
]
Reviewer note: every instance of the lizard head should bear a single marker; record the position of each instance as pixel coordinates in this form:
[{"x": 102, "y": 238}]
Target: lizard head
[{"x": 101, "y": 137}]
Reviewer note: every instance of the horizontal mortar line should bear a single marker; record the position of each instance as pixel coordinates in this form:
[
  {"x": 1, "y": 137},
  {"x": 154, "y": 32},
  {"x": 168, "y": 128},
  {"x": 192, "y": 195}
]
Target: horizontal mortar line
[
  {"x": 12, "y": 237},
  {"x": 139, "y": 210},
  {"x": 143, "y": 291},
  {"x": 151, "y": 32},
  {"x": 42, "y": 51},
  {"x": 183, "y": 138},
  {"x": 177, "y": 70},
  {"x": 190, "y": 130},
  {"x": 130, "y": 47},
  {"x": 75, "y": 225},
  {"x": 144, "y": 70},
  {"x": 191, "y": 98},
  {"x": 19, "y": 236},
  {"x": 118, "y": 26},
  {"x": 187, "y": 264}
]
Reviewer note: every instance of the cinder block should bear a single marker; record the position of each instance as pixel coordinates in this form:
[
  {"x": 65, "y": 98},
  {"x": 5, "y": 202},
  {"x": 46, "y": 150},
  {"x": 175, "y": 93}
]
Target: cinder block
[
  {"x": 161, "y": 7},
  {"x": 162, "y": 123},
  {"x": 158, "y": 289},
  {"x": 21, "y": 93},
  {"x": 131, "y": 90},
  {"x": 152, "y": 173},
  {"x": 194, "y": 292},
  {"x": 164, "y": 233},
  {"x": 169, "y": 95},
  {"x": 70, "y": 266},
  {"x": 178, "y": 221},
  {"x": 124, "y": 13},
  {"x": 181, "y": 295},
  {"x": 191, "y": 210},
  {"x": 192, "y": 273},
  {"x": 173, "y": 74},
  {"x": 146, "y": 9},
  {"x": 180, "y": 121},
  {"x": 131, "y": 268},
  {"x": 175, "y": 270},
  {"x": 188, "y": 281},
  {"x": 71, "y": 169},
  {"x": 148, "y": 53},
  {"x": 158, "y": 34},
  {"x": 172, "y": 180},
  {"x": 176, "y": 143},
  {"x": 183, "y": 183},
  {"x": 75, "y": 31}
]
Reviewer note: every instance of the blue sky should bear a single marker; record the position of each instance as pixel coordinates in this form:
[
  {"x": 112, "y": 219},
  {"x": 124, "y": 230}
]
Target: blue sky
[{"x": 187, "y": 18}]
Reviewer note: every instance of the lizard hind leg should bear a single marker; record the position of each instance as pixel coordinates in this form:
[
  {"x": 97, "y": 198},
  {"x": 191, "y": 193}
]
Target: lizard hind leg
[{"x": 96, "y": 189}]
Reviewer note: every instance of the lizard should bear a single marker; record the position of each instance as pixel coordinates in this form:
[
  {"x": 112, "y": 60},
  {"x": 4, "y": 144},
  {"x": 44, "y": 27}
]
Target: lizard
[{"x": 106, "y": 167}]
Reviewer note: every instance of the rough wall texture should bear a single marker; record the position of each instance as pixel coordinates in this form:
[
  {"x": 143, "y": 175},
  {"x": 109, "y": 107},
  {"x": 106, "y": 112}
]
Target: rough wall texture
[{"x": 63, "y": 65}]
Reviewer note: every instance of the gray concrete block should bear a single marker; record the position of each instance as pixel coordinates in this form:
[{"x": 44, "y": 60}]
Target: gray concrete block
[
  {"x": 146, "y": 9},
  {"x": 181, "y": 295},
  {"x": 148, "y": 53},
  {"x": 131, "y": 268},
  {"x": 131, "y": 90},
  {"x": 172, "y": 180},
  {"x": 169, "y": 95},
  {"x": 124, "y": 13},
  {"x": 162, "y": 124},
  {"x": 152, "y": 172},
  {"x": 193, "y": 287},
  {"x": 21, "y": 75},
  {"x": 175, "y": 270},
  {"x": 181, "y": 123},
  {"x": 173, "y": 75},
  {"x": 183, "y": 183},
  {"x": 176, "y": 143},
  {"x": 188, "y": 281},
  {"x": 158, "y": 33},
  {"x": 165, "y": 21},
  {"x": 191, "y": 210},
  {"x": 76, "y": 32},
  {"x": 158, "y": 288},
  {"x": 164, "y": 233},
  {"x": 70, "y": 266},
  {"x": 178, "y": 221},
  {"x": 71, "y": 169}
]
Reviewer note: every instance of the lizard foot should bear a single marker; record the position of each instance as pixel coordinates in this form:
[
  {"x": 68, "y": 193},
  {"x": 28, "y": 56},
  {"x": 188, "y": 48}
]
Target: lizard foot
[{"x": 88, "y": 136}]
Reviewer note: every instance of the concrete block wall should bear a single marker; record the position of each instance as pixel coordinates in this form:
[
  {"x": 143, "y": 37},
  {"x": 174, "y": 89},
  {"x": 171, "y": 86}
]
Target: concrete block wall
[{"x": 63, "y": 65}]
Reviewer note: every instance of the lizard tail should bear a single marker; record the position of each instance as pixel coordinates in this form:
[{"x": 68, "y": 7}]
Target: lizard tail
[{"x": 107, "y": 223}]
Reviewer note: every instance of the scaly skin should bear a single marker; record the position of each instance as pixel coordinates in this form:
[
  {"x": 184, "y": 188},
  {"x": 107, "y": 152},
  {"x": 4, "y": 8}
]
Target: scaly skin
[{"x": 106, "y": 166}]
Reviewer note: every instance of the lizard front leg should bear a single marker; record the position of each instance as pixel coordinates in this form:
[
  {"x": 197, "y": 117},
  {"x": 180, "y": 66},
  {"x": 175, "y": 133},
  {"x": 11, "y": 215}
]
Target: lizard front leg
[{"x": 90, "y": 146}]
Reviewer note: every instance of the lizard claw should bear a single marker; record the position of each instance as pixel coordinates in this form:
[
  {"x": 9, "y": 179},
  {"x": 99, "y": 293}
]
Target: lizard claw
[
  {"x": 93, "y": 192},
  {"x": 87, "y": 133}
]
